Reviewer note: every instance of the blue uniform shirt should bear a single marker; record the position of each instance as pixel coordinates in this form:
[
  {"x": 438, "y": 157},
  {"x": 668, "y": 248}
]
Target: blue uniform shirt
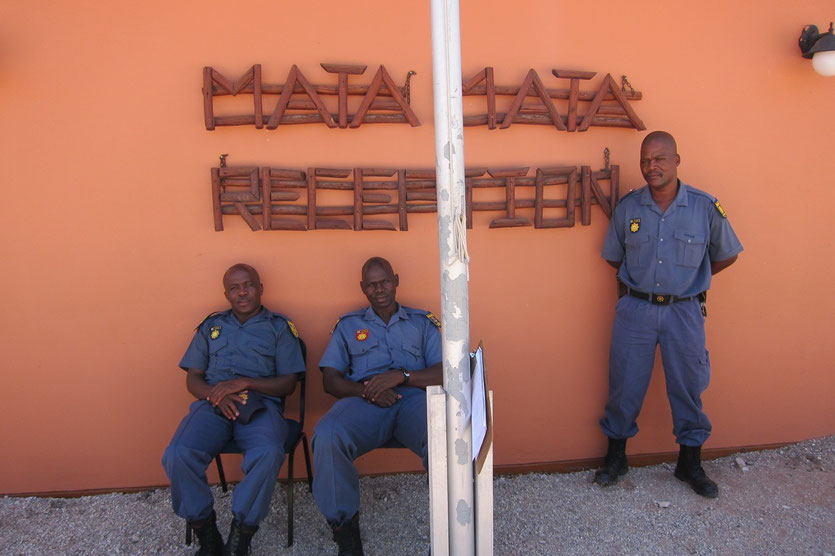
[
  {"x": 262, "y": 347},
  {"x": 362, "y": 345},
  {"x": 669, "y": 253}
]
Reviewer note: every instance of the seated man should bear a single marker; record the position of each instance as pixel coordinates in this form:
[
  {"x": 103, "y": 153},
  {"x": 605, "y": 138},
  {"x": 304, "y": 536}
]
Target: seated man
[
  {"x": 245, "y": 355},
  {"x": 378, "y": 362}
]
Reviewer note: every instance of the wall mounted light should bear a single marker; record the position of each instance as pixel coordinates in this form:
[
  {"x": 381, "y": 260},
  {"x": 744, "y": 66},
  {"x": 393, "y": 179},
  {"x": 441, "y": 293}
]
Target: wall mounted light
[{"x": 820, "y": 47}]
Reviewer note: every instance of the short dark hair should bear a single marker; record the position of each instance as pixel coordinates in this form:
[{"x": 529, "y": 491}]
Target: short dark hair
[
  {"x": 661, "y": 136},
  {"x": 241, "y": 266},
  {"x": 377, "y": 261}
]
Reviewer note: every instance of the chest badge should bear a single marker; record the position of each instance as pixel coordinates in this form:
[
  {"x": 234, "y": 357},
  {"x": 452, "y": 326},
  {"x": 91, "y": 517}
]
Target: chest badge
[
  {"x": 293, "y": 328},
  {"x": 214, "y": 332},
  {"x": 634, "y": 225},
  {"x": 720, "y": 209},
  {"x": 362, "y": 335}
]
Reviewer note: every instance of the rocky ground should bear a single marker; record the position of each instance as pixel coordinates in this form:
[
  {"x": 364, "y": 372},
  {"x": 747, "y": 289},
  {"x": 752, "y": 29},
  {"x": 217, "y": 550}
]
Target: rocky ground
[{"x": 773, "y": 502}]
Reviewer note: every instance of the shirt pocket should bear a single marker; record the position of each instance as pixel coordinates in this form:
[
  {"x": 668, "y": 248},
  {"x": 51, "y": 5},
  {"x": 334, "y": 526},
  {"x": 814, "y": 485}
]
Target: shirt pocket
[
  {"x": 218, "y": 353},
  {"x": 263, "y": 359},
  {"x": 365, "y": 355},
  {"x": 637, "y": 251},
  {"x": 690, "y": 249},
  {"x": 410, "y": 357}
]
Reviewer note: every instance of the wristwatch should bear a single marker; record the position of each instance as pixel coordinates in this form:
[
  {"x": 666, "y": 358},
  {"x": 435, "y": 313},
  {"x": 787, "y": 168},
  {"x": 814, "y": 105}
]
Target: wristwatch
[{"x": 406, "y": 374}]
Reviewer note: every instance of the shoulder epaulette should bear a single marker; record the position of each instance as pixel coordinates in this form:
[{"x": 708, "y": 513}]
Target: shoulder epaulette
[
  {"x": 428, "y": 314},
  {"x": 210, "y": 315},
  {"x": 631, "y": 193},
  {"x": 433, "y": 319},
  {"x": 278, "y": 316},
  {"x": 711, "y": 199},
  {"x": 693, "y": 191},
  {"x": 357, "y": 313}
]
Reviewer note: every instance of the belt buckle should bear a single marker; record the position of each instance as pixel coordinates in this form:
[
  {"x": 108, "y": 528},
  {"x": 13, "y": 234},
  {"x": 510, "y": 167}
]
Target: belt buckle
[{"x": 658, "y": 299}]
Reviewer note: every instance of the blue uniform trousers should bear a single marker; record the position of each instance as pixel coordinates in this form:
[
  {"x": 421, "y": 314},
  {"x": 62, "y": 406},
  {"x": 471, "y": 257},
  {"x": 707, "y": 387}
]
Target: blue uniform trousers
[
  {"x": 679, "y": 328},
  {"x": 352, "y": 428},
  {"x": 201, "y": 436}
]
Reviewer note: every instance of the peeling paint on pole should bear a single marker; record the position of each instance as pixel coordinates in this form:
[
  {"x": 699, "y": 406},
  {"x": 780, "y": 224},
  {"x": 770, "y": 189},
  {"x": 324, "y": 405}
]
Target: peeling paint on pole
[
  {"x": 463, "y": 512},
  {"x": 462, "y": 451},
  {"x": 455, "y": 316},
  {"x": 456, "y": 270}
]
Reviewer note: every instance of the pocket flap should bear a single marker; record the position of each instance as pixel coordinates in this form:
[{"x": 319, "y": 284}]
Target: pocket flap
[
  {"x": 217, "y": 344},
  {"x": 636, "y": 240},
  {"x": 361, "y": 348},
  {"x": 414, "y": 350},
  {"x": 264, "y": 349},
  {"x": 688, "y": 237}
]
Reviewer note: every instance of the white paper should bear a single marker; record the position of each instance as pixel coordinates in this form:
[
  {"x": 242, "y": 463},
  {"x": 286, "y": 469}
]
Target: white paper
[{"x": 479, "y": 403}]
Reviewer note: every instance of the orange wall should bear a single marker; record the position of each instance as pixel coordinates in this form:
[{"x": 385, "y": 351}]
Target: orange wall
[{"x": 111, "y": 258}]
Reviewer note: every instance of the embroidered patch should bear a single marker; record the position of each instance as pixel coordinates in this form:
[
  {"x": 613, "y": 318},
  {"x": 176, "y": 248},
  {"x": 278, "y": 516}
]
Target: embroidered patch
[
  {"x": 634, "y": 225},
  {"x": 720, "y": 209},
  {"x": 433, "y": 319},
  {"x": 214, "y": 332},
  {"x": 293, "y": 328},
  {"x": 362, "y": 335}
]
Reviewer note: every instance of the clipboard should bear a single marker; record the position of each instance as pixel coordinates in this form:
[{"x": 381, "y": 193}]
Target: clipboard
[{"x": 481, "y": 409}]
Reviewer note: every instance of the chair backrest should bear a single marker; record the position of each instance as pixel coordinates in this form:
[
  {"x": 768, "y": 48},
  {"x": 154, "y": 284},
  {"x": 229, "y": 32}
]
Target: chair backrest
[
  {"x": 302, "y": 380},
  {"x": 301, "y": 377}
]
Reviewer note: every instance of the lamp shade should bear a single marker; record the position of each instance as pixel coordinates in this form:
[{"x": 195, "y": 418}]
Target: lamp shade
[
  {"x": 824, "y": 62},
  {"x": 820, "y": 47}
]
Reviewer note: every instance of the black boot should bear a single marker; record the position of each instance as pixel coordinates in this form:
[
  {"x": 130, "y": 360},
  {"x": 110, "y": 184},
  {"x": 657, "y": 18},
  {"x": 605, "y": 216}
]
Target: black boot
[
  {"x": 240, "y": 536},
  {"x": 347, "y": 536},
  {"x": 615, "y": 465},
  {"x": 689, "y": 469},
  {"x": 208, "y": 537}
]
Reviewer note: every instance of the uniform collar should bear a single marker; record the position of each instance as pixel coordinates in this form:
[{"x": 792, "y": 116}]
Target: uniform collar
[
  {"x": 679, "y": 201},
  {"x": 260, "y": 315},
  {"x": 681, "y": 196},
  {"x": 399, "y": 314}
]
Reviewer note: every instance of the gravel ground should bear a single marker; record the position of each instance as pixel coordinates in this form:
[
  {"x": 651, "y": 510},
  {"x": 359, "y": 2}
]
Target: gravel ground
[{"x": 773, "y": 502}]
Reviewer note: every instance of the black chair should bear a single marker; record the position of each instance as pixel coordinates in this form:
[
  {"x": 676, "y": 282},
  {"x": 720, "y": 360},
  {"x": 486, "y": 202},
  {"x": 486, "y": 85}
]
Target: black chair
[{"x": 295, "y": 435}]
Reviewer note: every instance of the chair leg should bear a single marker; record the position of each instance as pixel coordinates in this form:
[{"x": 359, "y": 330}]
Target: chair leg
[
  {"x": 188, "y": 533},
  {"x": 290, "y": 497},
  {"x": 307, "y": 463},
  {"x": 220, "y": 473}
]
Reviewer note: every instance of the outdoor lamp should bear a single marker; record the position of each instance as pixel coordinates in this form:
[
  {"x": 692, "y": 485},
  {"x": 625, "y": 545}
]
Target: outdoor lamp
[{"x": 820, "y": 47}]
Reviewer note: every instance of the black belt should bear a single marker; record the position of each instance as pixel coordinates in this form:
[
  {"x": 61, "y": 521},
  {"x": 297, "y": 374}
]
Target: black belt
[{"x": 659, "y": 298}]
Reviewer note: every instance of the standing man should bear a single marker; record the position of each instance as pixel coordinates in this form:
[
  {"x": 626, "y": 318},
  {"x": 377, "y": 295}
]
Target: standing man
[
  {"x": 378, "y": 363},
  {"x": 239, "y": 364},
  {"x": 666, "y": 239}
]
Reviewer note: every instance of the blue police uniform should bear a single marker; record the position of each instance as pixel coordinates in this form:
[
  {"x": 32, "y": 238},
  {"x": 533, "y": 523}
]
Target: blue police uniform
[
  {"x": 664, "y": 257},
  {"x": 361, "y": 346},
  {"x": 264, "y": 346}
]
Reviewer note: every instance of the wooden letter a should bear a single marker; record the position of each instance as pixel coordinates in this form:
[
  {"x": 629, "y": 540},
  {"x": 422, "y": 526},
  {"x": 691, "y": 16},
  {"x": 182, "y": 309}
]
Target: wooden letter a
[
  {"x": 533, "y": 79},
  {"x": 399, "y": 104},
  {"x": 609, "y": 86},
  {"x": 295, "y": 76}
]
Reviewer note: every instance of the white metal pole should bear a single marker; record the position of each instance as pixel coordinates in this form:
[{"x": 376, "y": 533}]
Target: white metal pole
[{"x": 452, "y": 229}]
